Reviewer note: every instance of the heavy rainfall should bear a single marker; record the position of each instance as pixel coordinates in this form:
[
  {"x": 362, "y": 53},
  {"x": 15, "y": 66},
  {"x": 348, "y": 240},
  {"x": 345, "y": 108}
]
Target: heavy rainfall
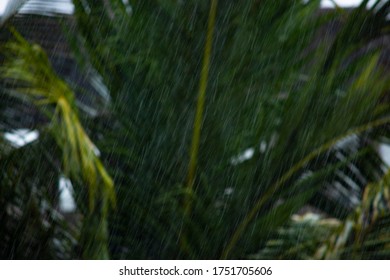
[{"x": 198, "y": 129}]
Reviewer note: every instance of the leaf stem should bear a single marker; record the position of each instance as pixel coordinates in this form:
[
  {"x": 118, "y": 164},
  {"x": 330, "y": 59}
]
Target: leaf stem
[
  {"x": 194, "y": 151},
  {"x": 200, "y": 104}
]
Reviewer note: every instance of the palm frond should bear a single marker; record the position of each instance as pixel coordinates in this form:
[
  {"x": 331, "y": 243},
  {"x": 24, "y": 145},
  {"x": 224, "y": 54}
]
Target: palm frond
[
  {"x": 363, "y": 234},
  {"x": 28, "y": 66}
]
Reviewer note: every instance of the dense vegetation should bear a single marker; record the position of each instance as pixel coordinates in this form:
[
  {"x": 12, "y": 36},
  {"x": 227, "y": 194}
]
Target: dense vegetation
[{"x": 229, "y": 123}]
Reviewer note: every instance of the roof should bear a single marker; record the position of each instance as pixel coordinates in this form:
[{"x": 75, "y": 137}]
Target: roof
[
  {"x": 48, "y": 32},
  {"x": 40, "y": 7},
  {"x": 48, "y": 7}
]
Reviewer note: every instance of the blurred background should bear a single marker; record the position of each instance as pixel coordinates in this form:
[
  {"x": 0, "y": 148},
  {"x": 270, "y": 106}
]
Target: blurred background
[{"x": 167, "y": 129}]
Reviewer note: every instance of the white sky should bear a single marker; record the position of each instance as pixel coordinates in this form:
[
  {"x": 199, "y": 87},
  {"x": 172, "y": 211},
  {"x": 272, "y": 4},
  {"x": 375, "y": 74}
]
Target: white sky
[
  {"x": 342, "y": 3},
  {"x": 3, "y": 4},
  {"x": 21, "y": 137},
  {"x": 346, "y": 3}
]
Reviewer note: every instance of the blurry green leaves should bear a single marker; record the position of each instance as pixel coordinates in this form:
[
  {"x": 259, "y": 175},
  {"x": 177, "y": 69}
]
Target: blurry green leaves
[
  {"x": 32, "y": 225},
  {"x": 300, "y": 238},
  {"x": 315, "y": 118},
  {"x": 80, "y": 160},
  {"x": 274, "y": 88},
  {"x": 28, "y": 72},
  {"x": 364, "y": 234}
]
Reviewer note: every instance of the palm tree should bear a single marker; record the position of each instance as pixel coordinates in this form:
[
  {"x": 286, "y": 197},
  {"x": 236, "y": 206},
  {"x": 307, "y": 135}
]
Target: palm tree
[{"x": 226, "y": 119}]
